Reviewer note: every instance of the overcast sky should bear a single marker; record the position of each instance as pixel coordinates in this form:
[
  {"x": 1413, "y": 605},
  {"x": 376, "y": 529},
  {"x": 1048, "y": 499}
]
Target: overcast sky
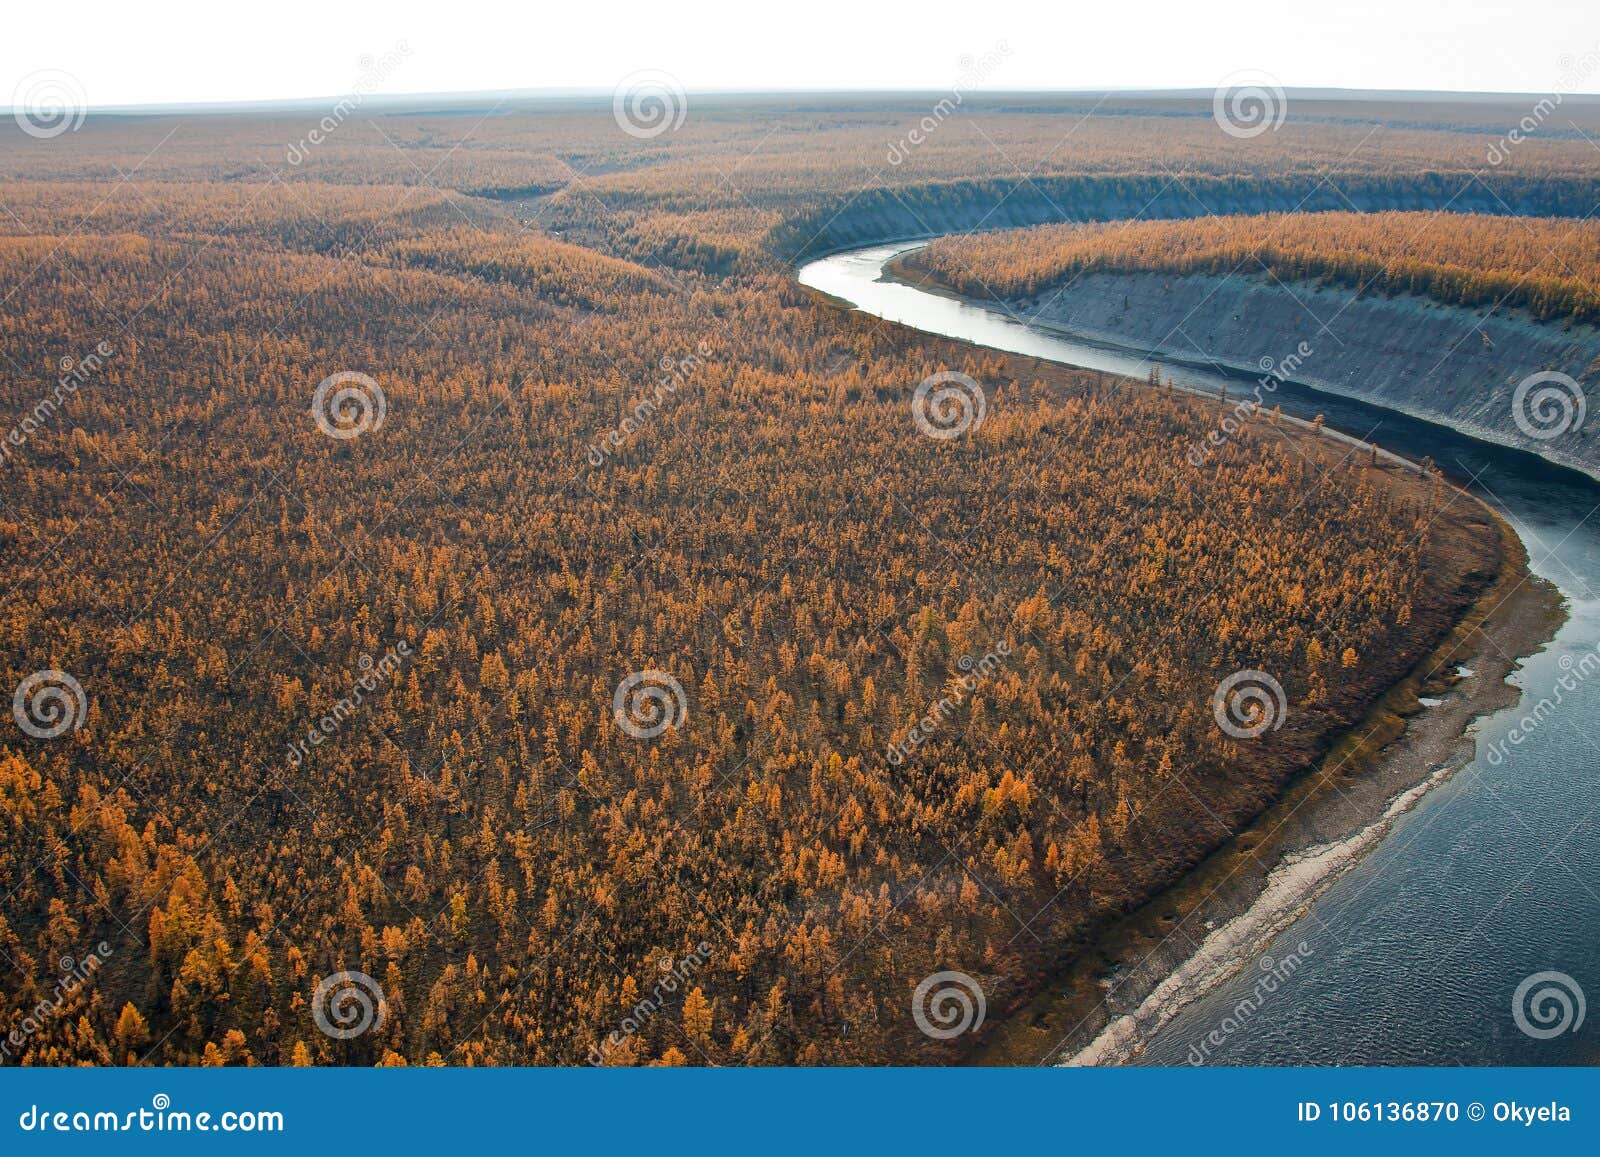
[{"x": 163, "y": 51}]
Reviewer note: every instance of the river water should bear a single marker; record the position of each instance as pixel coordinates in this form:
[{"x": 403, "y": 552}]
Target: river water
[{"x": 1416, "y": 953}]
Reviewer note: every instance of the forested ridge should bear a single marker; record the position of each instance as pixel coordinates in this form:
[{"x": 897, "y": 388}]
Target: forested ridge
[
  {"x": 1547, "y": 266},
  {"x": 588, "y": 442}
]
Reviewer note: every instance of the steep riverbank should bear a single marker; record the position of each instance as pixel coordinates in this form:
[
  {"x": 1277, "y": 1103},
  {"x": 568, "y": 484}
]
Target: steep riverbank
[
  {"x": 1441, "y": 363},
  {"x": 873, "y": 216}
]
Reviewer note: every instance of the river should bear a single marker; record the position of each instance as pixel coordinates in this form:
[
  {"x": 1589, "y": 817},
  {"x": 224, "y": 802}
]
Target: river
[{"x": 1415, "y": 953}]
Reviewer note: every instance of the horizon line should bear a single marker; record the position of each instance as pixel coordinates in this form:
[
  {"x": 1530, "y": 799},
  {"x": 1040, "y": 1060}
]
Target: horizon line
[{"x": 583, "y": 94}]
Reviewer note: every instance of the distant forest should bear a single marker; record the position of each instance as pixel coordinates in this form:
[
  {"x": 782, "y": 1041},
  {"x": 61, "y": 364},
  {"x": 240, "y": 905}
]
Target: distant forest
[{"x": 1548, "y": 266}]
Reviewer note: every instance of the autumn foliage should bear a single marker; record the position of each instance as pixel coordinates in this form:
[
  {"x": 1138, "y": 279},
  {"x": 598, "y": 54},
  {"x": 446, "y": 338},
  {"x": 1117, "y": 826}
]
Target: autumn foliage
[
  {"x": 475, "y": 832},
  {"x": 1549, "y": 267}
]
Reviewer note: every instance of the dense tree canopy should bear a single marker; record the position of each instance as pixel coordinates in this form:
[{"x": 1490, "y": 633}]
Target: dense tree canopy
[{"x": 368, "y": 495}]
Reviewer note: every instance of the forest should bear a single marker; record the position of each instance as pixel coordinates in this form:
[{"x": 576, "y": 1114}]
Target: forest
[
  {"x": 485, "y": 570},
  {"x": 1547, "y": 266}
]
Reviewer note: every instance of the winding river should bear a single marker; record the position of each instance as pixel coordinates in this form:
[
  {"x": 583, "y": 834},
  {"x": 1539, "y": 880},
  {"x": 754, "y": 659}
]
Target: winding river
[{"x": 1418, "y": 949}]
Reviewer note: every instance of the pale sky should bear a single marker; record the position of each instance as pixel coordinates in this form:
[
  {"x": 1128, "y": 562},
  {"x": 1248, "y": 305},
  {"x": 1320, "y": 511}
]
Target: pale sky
[{"x": 170, "y": 51}]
